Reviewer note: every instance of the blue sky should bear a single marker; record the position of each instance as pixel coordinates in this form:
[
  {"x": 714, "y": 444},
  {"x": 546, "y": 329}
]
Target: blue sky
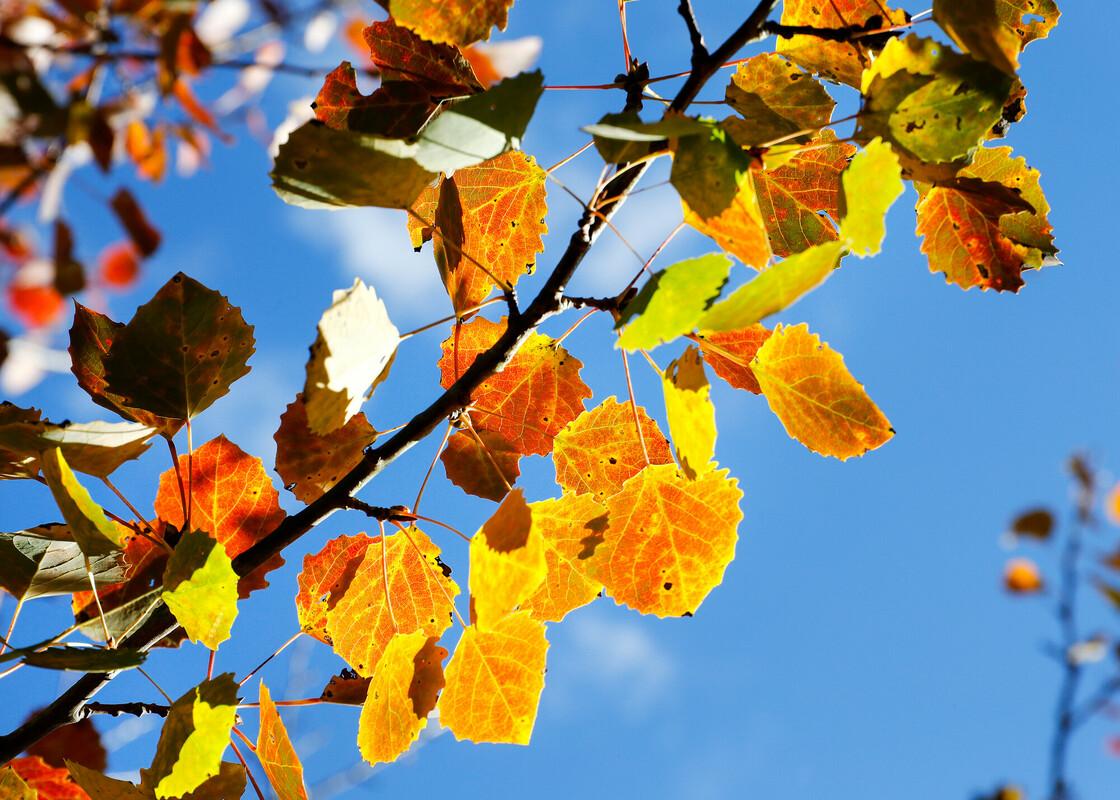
[{"x": 860, "y": 646}]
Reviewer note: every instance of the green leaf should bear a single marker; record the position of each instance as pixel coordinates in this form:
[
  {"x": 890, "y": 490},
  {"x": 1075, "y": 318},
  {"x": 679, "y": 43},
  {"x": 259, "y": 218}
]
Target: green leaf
[
  {"x": 775, "y": 289},
  {"x": 46, "y": 561},
  {"x": 691, "y": 415},
  {"x": 85, "y": 659},
  {"x": 485, "y": 125},
  {"x": 200, "y": 588},
  {"x": 193, "y": 739},
  {"x": 872, "y": 182},
  {"x": 672, "y": 301},
  {"x": 93, "y": 531},
  {"x": 181, "y": 351},
  {"x": 323, "y": 168}
]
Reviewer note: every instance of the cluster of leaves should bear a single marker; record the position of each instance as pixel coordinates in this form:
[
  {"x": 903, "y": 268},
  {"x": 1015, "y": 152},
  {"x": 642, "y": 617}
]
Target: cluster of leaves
[{"x": 647, "y": 519}]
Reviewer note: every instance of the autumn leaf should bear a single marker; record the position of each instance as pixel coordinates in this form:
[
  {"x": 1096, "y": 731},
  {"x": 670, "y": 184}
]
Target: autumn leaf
[
  {"x": 400, "y": 55},
  {"x": 348, "y": 688},
  {"x": 1037, "y": 523},
  {"x": 840, "y": 61},
  {"x": 276, "y": 754},
  {"x": 200, "y": 589},
  {"x": 817, "y": 400},
  {"x": 102, "y": 787},
  {"x": 452, "y": 21},
  {"x": 497, "y": 212},
  {"x": 323, "y": 580},
  {"x": 310, "y": 464},
  {"x": 1029, "y": 229},
  {"x": 996, "y": 30},
  {"x": 570, "y": 529},
  {"x": 531, "y": 399},
  {"x": 872, "y": 182},
  {"x": 180, "y": 352},
  {"x": 402, "y": 694},
  {"x": 507, "y": 561},
  {"x": 672, "y": 301},
  {"x": 231, "y": 498},
  {"x": 194, "y": 736},
  {"x": 691, "y": 415},
  {"x": 1021, "y": 576},
  {"x": 493, "y": 61},
  {"x": 95, "y": 534},
  {"x": 76, "y": 742},
  {"x": 669, "y": 539},
  {"x": 13, "y": 787},
  {"x": 46, "y": 782},
  {"x": 481, "y": 462},
  {"x": 420, "y": 597},
  {"x": 353, "y": 351},
  {"x": 776, "y": 99},
  {"x": 135, "y": 223},
  {"x": 730, "y": 354},
  {"x": 46, "y": 561},
  {"x": 396, "y": 110},
  {"x": 603, "y": 448},
  {"x": 494, "y": 681}
]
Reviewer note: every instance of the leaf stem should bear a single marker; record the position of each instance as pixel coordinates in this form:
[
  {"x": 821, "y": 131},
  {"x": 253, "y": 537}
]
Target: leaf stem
[{"x": 275, "y": 653}]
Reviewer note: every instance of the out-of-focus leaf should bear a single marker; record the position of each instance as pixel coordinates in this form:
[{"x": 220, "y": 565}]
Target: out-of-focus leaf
[
  {"x": 672, "y": 301},
  {"x": 200, "y": 588},
  {"x": 1037, "y": 523},
  {"x": 13, "y": 787},
  {"x": 1021, "y": 576},
  {"x": 77, "y": 742},
  {"x": 46, "y": 782},
  {"x": 132, "y": 218}
]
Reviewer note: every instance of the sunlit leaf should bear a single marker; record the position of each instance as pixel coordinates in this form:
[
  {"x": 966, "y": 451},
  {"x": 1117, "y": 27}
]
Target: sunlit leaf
[
  {"x": 1021, "y": 576},
  {"x": 324, "y": 578},
  {"x": 401, "y": 55},
  {"x": 672, "y": 301},
  {"x": 200, "y": 588},
  {"x": 13, "y": 787},
  {"x": 276, "y": 754},
  {"x": 872, "y": 182},
  {"x": 310, "y": 464},
  {"x": 570, "y": 529},
  {"x": 776, "y": 99},
  {"x": 95, "y": 534},
  {"x": 396, "y": 110},
  {"x": 840, "y": 61},
  {"x": 454, "y": 21},
  {"x": 691, "y": 415},
  {"x": 996, "y": 30},
  {"x": 483, "y": 463},
  {"x": 46, "y": 782},
  {"x": 730, "y": 354},
  {"x": 507, "y": 561}
]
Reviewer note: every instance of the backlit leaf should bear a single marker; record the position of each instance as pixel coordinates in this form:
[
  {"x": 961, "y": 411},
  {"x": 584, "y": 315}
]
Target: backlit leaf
[
  {"x": 672, "y": 301},
  {"x": 354, "y": 348},
  {"x": 494, "y": 681},
  {"x": 996, "y": 30},
  {"x": 13, "y": 787},
  {"x": 95, "y": 534},
  {"x": 454, "y": 21},
  {"x": 397, "y": 110},
  {"x": 99, "y": 448},
  {"x": 840, "y": 61},
  {"x": 775, "y": 98},
  {"x": 483, "y": 463},
  {"x": 45, "y": 781},
  {"x": 200, "y": 588},
  {"x": 45, "y": 561},
  {"x": 402, "y": 694},
  {"x": 276, "y": 754},
  {"x": 1021, "y": 576},
  {"x": 601, "y": 449},
  {"x": 324, "y": 578},
  {"x": 310, "y": 464},
  {"x": 570, "y": 529},
  {"x": 691, "y": 415},
  {"x": 401, "y": 55},
  {"x": 180, "y": 352},
  {"x": 420, "y": 598},
  {"x": 730, "y": 354},
  {"x": 669, "y": 539},
  {"x": 872, "y": 182},
  {"x": 818, "y": 401},
  {"x": 135, "y": 597},
  {"x": 534, "y": 396},
  {"x": 507, "y": 561}
]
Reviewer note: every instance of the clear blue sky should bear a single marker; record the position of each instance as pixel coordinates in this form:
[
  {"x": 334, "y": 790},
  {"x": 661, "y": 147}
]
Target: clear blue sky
[{"x": 860, "y": 646}]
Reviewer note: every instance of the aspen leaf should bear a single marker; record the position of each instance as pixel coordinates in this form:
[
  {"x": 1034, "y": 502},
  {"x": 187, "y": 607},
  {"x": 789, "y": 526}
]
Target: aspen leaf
[
  {"x": 497, "y": 210},
  {"x": 200, "y": 588},
  {"x": 1029, "y": 228},
  {"x": 627, "y": 127},
  {"x": 1021, "y": 576},
  {"x": 570, "y": 529},
  {"x": 1038, "y": 523},
  {"x": 45, "y": 561},
  {"x": 775, "y": 98},
  {"x": 324, "y": 578},
  {"x": 483, "y": 463},
  {"x": 453, "y": 21},
  {"x": 310, "y": 464},
  {"x": 354, "y": 348},
  {"x": 817, "y": 400},
  {"x": 180, "y": 352},
  {"x": 231, "y": 498},
  {"x": 95, "y": 534},
  {"x": 81, "y": 659},
  {"x": 98, "y": 448},
  {"x": 402, "y": 694},
  {"x": 19, "y": 430},
  {"x": 420, "y": 598},
  {"x": 12, "y": 786},
  {"x": 77, "y": 742},
  {"x": 669, "y": 539},
  {"x": 872, "y": 182},
  {"x": 401, "y": 55},
  {"x": 775, "y": 289},
  {"x": 494, "y": 681},
  {"x": 348, "y": 688},
  {"x": 276, "y": 754},
  {"x": 531, "y": 399},
  {"x": 135, "y": 222},
  {"x": 672, "y": 301},
  {"x": 601, "y": 449},
  {"x": 713, "y": 177},
  {"x": 730, "y": 354},
  {"x": 996, "y": 30},
  {"x": 691, "y": 415},
  {"x": 102, "y": 787},
  {"x": 397, "y": 110},
  {"x": 839, "y": 61},
  {"x": 194, "y": 736},
  {"x": 507, "y": 561},
  {"x": 46, "y": 782}
]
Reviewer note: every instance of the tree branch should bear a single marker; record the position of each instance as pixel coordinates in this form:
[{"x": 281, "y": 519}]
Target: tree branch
[
  {"x": 699, "y": 49},
  {"x": 117, "y": 709},
  {"x": 70, "y": 705}
]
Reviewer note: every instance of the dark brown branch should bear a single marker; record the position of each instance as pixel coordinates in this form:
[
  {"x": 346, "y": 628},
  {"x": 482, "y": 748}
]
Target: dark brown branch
[
  {"x": 117, "y": 709},
  {"x": 695, "y": 37},
  {"x": 68, "y": 707}
]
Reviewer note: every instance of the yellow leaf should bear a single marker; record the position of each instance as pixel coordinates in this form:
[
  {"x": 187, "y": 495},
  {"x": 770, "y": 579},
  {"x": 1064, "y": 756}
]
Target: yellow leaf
[
  {"x": 95, "y": 534},
  {"x": 200, "y": 588},
  {"x": 872, "y": 182},
  {"x": 460, "y": 22},
  {"x": 276, "y": 754},
  {"x": 669, "y": 539},
  {"x": 402, "y": 694},
  {"x": 507, "y": 561},
  {"x": 494, "y": 681},
  {"x": 818, "y": 401},
  {"x": 692, "y": 417},
  {"x": 12, "y": 786},
  {"x": 570, "y": 528}
]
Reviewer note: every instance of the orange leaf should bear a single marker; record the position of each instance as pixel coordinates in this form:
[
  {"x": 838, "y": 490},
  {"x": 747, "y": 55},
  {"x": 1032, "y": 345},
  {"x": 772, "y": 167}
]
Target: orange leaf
[
  {"x": 601, "y": 449},
  {"x": 324, "y": 578},
  {"x": 454, "y": 21},
  {"x": 494, "y": 681},
  {"x": 669, "y": 539},
  {"x": 730, "y": 354},
  {"x": 136, "y": 224},
  {"x": 402, "y": 694},
  {"x": 147, "y": 150},
  {"x": 1021, "y": 576},
  {"x": 1112, "y": 505},
  {"x": 232, "y": 499},
  {"x": 49, "y": 783},
  {"x": 497, "y": 213},
  {"x": 310, "y": 464},
  {"x": 839, "y": 61},
  {"x": 420, "y": 598},
  {"x": 531, "y": 400},
  {"x": 486, "y": 465},
  {"x": 401, "y": 55},
  {"x": 507, "y": 561},
  {"x": 570, "y": 528},
  {"x": 397, "y": 109},
  {"x": 276, "y": 754},
  {"x": 36, "y": 306},
  {"x": 119, "y": 265}
]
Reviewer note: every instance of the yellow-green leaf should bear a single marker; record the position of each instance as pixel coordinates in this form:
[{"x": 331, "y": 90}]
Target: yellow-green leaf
[
  {"x": 12, "y": 786},
  {"x": 872, "y": 182},
  {"x": 671, "y": 302},
  {"x": 200, "y": 588},
  {"x": 93, "y": 531},
  {"x": 692, "y": 417}
]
